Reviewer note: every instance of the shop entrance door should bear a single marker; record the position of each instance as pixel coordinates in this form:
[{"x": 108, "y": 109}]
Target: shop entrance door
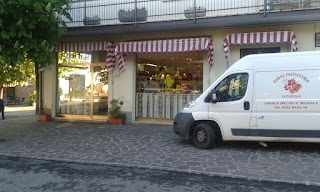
[
  {"x": 100, "y": 90},
  {"x": 83, "y": 91}
]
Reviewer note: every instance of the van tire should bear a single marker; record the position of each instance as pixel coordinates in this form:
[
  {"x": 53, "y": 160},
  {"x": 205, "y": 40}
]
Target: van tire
[{"x": 203, "y": 136}]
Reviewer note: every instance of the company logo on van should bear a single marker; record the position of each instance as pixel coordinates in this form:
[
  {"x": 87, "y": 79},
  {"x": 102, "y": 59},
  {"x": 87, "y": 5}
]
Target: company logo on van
[
  {"x": 293, "y": 86},
  {"x": 290, "y": 83}
]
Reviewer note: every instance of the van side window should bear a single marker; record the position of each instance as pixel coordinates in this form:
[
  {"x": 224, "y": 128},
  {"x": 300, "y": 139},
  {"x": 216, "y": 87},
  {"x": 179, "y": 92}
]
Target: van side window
[{"x": 232, "y": 88}]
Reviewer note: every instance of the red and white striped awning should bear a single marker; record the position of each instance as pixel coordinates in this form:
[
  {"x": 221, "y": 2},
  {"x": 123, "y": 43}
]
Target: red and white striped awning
[
  {"x": 166, "y": 46},
  {"x": 83, "y": 46},
  {"x": 89, "y": 47},
  {"x": 260, "y": 38}
]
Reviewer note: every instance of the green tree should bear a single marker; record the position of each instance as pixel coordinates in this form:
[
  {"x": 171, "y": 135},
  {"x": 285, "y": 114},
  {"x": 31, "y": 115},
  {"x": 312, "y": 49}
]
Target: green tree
[
  {"x": 30, "y": 29},
  {"x": 16, "y": 75}
]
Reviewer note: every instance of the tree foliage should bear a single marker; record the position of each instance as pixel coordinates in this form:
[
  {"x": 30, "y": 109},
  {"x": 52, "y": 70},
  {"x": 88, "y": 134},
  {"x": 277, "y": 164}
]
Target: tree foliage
[
  {"x": 18, "y": 74},
  {"x": 30, "y": 29}
]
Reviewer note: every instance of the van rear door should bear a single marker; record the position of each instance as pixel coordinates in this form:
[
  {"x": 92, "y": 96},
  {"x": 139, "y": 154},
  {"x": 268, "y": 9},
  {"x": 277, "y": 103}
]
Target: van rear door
[{"x": 233, "y": 110}]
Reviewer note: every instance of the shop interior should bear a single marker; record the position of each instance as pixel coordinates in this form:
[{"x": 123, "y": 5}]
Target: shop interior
[{"x": 170, "y": 72}]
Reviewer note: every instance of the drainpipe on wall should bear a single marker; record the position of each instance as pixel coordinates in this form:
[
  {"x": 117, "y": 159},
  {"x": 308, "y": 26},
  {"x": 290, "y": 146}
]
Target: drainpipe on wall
[
  {"x": 209, "y": 76},
  {"x": 40, "y": 91},
  {"x": 85, "y": 13},
  {"x": 194, "y": 10},
  {"x": 135, "y": 12},
  {"x": 92, "y": 91},
  {"x": 111, "y": 86},
  {"x": 37, "y": 99},
  {"x": 265, "y": 8}
]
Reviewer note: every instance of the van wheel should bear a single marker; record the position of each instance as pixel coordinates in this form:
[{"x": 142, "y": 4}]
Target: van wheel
[{"x": 203, "y": 136}]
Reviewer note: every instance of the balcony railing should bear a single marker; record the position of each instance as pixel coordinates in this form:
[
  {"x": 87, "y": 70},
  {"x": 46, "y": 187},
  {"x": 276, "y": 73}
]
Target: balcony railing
[{"x": 116, "y": 12}]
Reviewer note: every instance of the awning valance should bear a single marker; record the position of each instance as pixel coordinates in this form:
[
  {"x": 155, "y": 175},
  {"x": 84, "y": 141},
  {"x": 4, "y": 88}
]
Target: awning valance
[
  {"x": 89, "y": 47},
  {"x": 83, "y": 46},
  {"x": 260, "y": 38},
  {"x": 165, "y": 46}
]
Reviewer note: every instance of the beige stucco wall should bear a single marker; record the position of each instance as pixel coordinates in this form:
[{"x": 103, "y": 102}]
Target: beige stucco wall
[
  {"x": 304, "y": 32},
  {"x": 21, "y": 92},
  {"x": 122, "y": 85}
]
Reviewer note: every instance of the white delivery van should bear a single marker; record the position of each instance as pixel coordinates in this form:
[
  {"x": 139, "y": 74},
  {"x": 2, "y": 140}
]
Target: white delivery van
[{"x": 267, "y": 97}]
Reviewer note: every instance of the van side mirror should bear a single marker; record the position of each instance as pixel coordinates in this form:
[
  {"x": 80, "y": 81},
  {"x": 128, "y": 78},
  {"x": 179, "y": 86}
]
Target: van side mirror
[
  {"x": 208, "y": 98},
  {"x": 214, "y": 98},
  {"x": 215, "y": 95}
]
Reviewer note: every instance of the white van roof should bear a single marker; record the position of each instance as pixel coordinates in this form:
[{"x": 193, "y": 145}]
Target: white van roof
[{"x": 307, "y": 59}]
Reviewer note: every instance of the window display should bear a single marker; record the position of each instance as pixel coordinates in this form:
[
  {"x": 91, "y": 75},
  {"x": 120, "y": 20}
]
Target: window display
[
  {"x": 170, "y": 72},
  {"x": 166, "y": 82}
]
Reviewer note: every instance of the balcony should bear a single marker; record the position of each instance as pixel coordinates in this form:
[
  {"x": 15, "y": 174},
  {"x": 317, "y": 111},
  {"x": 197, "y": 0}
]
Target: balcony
[{"x": 93, "y": 13}]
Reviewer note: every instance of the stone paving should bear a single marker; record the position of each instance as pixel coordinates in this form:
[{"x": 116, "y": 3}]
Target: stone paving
[{"x": 157, "y": 147}]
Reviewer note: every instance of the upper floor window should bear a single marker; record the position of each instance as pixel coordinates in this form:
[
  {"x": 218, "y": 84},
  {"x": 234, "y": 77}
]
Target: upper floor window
[{"x": 245, "y": 52}]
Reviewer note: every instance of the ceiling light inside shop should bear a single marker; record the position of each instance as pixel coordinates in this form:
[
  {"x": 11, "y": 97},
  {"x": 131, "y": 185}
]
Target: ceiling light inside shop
[{"x": 152, "y": 65}]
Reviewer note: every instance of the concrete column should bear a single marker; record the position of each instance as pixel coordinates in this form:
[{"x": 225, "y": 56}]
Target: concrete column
[{"x": 123, "y": 86}]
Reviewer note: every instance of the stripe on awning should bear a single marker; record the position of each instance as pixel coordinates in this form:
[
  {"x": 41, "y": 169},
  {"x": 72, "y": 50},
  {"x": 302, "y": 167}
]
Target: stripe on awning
[
  {"x": 111, "y": 58},
  {"x": 260, "y": 38},
  {"x": 167, "y": 46}
]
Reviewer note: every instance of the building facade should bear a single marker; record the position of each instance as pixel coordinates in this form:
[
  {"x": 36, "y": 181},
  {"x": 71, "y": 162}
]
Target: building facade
[{"x": 156, "y": 56}]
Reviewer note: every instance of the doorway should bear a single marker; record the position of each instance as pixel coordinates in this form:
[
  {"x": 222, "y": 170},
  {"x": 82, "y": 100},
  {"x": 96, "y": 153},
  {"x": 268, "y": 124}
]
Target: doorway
[{"x": 82, "y": 91}]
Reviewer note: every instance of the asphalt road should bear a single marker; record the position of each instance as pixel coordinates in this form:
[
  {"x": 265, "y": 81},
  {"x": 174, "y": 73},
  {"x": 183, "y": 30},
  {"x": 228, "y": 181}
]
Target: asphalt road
[{"x": 20, "y": 174}]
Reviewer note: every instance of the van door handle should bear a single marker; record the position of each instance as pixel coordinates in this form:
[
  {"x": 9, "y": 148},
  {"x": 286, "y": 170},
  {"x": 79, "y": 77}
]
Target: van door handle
[
  {"x": 261, "y": 117},
  {"x": 246, "y": 105}
]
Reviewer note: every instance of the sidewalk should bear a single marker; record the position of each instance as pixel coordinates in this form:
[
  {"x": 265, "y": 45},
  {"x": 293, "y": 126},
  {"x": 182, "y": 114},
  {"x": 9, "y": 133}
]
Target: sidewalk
[
  {"x": 19, "y": 111},
  {"x": 156, "y": 147}
]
